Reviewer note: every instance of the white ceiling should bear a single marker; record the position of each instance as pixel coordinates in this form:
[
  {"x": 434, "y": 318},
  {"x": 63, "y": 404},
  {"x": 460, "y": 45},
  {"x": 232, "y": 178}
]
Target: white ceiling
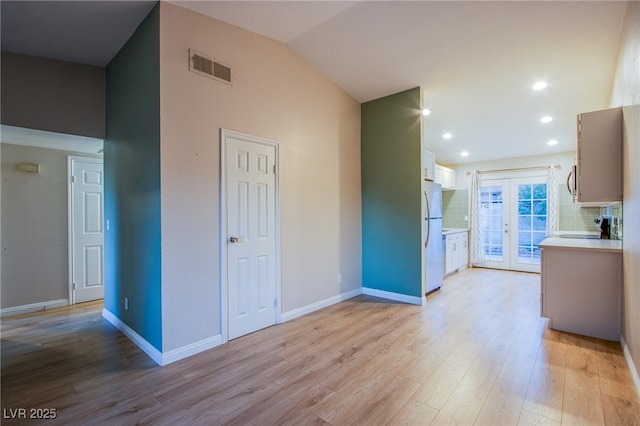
[{"x": 476, "y": 61}]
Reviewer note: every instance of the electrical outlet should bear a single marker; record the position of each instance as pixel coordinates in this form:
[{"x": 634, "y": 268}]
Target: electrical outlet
[
  {"x": 339, "y": 278},
  {"x": 126, "y": 303}
]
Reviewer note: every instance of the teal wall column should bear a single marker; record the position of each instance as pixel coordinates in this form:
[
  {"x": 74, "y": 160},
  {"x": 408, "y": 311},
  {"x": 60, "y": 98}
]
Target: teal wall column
[
  {"x": 391, "y": 194},
  {"x": 132, "y": 183}
]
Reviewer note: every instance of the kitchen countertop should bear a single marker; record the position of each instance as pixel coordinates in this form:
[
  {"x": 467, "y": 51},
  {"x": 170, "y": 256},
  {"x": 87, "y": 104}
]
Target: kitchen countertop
[
  {"x": 582, "y": 244},
  {"x": 449, "y": 231}
]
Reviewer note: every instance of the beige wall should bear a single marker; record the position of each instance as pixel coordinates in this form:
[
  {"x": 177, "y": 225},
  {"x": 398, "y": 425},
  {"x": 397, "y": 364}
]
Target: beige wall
[
  {"x": 626, "y": 92},
  {"x": 275, "y": 95}
]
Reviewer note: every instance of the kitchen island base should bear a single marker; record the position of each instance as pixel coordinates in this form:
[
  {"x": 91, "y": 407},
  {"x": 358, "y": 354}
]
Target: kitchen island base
[{"x": 581, "y": 291}]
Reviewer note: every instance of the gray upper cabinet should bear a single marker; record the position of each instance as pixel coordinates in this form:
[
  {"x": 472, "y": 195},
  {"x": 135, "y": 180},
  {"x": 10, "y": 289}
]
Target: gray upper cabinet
[{"x": 599, "y": 151}]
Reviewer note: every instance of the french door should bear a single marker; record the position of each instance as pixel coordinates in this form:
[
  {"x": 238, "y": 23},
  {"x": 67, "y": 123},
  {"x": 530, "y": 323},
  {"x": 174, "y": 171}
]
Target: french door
[{"x": 513, "y": 216}]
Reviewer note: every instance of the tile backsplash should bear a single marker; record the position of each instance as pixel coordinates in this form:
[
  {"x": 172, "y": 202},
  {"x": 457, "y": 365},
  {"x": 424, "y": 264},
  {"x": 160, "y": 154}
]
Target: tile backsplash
[
  {"x": 574, "y": 217},
  {"x": 455, "y": 207}
]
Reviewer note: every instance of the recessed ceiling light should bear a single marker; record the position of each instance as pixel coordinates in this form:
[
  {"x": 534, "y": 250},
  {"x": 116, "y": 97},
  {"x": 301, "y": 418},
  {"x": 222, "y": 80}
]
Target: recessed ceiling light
[
  {"x": 546, "y": 119},
  {"x": 552, "y": 142},
  {"x": 540, "y": 85},
  {"x": 447, "y": 135},
  {"x": 464, "y": 154},
  {"x": 426, "y": 112}
]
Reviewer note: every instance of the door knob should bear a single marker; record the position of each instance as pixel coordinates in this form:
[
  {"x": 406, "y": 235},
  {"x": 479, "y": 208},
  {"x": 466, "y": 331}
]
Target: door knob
[{"x": 234, "y": 240}]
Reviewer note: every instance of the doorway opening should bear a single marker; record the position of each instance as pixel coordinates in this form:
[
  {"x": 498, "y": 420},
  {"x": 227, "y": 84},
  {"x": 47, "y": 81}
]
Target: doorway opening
[{"x": 86, "y": 233}]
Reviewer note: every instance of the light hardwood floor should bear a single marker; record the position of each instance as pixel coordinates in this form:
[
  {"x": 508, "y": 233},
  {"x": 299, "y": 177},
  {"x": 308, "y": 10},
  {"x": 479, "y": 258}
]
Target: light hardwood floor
[{"x": 476, "y": 353}]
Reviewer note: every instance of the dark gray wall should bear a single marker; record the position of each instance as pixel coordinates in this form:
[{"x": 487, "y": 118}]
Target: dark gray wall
[{"x": 51, "y": 95}]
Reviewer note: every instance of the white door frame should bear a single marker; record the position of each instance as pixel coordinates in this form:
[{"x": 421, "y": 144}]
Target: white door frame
[
  {"x": 70, "y": 217},
  {"x": 509, "y": 180},
  {"x": 224, "y": 234}
]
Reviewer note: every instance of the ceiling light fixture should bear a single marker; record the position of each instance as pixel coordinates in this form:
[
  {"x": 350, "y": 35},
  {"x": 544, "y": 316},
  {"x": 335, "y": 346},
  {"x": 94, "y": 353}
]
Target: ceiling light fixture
[
  {"x": 546, "y": 119},
  {"x": 552, "y": 142},
  {"x": 539, "y": 85},
  {"x": 464, "y": 154},
  {"x": 447, "y": 135},
  {"x": 426, "y": 112}
]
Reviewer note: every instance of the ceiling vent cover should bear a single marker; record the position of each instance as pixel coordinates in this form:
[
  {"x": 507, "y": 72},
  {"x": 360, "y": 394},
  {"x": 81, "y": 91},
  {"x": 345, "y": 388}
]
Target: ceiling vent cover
[{"x": 202, "y": 65}]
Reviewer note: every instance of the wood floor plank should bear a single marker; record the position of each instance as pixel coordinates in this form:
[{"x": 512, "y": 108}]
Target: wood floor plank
[
  {"x": 527, "y": 418},
  {"x": 618, "y": 411},
  {"x": 282, "y": 407},
  {"x": 582, "y": 404},
  {"x": 353, "y": 399},
  {"x": 468, "y": 398},
  {"x": 518, "y": 366},
  {"x": 476, "y": 352},
  {"x": 387, "y": 402},
  {"x": 437, "y": 389},
  {"x": 545, "y": 391},
  {"x": 413, "y": 413},
  {"x": 503, "y": 405}
]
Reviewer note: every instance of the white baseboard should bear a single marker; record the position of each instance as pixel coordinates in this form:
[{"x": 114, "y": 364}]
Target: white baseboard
[
  {"x": 288, "y": 316},
  {"x": 192, "y": 349},
  {"x": 158, "y": 357},
  {"x": 414, "y": 300},
  {"x": 631, "y": 365},
  {"x": 33, "y": 307},
  {"x": 138, "y": 340}
]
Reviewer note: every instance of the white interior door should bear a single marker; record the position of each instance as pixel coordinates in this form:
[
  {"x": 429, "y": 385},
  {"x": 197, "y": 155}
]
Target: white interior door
[
  {"x": 250, "y": 232},
  {"x": 513, "y": 219},
  {"x": 86, "y": 229}
]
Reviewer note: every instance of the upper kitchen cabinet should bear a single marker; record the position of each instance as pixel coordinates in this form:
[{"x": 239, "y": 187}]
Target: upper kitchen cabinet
[
  {"x": 445, "y": 177},
  {"x": 599, "y": 163},
  {"x": 429, "y": 165}
]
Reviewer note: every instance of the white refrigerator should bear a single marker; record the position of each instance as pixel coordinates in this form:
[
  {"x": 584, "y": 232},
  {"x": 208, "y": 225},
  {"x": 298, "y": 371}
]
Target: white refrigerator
[{"x": 433, "y": 247}]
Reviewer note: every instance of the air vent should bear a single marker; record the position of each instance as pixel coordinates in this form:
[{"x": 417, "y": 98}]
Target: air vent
[{"x": 202, "y": 65}]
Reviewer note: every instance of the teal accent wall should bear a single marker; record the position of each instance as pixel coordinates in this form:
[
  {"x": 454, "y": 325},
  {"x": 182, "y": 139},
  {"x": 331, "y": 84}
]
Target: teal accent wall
[
  {"x": 132, "y": 182},
  {"x": 391, "y": 194}
]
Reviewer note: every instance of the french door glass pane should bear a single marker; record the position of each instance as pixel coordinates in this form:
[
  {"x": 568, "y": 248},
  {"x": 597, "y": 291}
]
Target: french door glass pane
[
  {"x": 532, "y": 221},
  {"x": 491, "y": 207}
]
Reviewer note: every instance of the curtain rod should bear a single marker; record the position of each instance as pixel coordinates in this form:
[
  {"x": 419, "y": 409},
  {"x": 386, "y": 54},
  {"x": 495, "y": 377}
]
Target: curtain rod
[{"x": 522, "y": 169}]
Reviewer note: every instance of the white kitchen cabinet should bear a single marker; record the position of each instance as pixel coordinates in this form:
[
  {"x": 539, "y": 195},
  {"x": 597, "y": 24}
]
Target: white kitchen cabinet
[
  {"x": 599, "y": 157},
  {"x": 439, "y": 175},
  {"x": 581, "y": 289},
  {"x": 445, "y": 177},
  {"x": 456, "y": 252},
  {"x": 429, "y": 165}
]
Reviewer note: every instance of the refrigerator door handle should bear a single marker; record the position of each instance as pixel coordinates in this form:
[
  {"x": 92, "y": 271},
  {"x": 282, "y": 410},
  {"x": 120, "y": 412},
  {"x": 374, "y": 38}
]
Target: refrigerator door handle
[
  {"x": 426, "y": 197},
  {"x": 426, "y": 241}
]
